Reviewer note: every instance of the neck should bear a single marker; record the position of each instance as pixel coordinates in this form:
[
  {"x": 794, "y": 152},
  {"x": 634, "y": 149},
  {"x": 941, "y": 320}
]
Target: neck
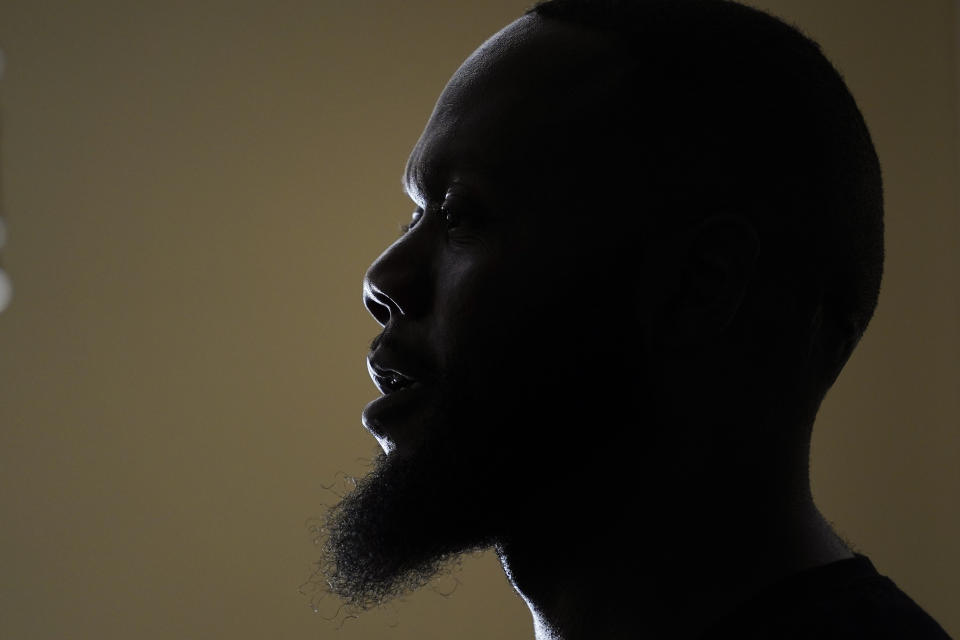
[{"x": 664, "y": 572}]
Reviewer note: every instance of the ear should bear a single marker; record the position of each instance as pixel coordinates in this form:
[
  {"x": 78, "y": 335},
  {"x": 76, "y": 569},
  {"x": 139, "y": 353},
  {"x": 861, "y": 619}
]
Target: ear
[{"x": 717, "y": 264}]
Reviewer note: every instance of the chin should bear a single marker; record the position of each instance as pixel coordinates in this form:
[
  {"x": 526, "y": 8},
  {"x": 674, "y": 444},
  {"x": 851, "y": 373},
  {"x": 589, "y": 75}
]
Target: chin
[
  {"x": 407, "y": 519},
  {"x": 477, "y": 467}
]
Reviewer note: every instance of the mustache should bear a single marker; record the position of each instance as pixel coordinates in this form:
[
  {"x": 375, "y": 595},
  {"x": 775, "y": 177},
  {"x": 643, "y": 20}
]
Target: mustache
[{"x": 407, "y": 351}]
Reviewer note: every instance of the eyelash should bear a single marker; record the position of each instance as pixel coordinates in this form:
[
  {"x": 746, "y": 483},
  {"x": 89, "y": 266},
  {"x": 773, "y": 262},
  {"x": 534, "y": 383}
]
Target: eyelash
[{"x": 404, "y": 228}]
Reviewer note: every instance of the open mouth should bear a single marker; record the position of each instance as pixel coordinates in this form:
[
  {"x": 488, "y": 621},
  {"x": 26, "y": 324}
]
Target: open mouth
[
  {"x": 392, "y": 381},
  {"x": 389, "y": 380}
]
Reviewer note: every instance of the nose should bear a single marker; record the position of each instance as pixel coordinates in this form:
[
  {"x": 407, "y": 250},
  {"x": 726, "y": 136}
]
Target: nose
[{"x": 395, "y": 284}]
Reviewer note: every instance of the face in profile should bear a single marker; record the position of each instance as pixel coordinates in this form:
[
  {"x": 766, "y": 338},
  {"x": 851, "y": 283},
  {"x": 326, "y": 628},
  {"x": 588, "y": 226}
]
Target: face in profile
[{"x": 491, "y": 347}]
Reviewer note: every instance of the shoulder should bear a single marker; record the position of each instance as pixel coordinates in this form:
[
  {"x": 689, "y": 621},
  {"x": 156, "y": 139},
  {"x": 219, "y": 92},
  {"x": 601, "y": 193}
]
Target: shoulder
[{"x": 845, "y": 599}]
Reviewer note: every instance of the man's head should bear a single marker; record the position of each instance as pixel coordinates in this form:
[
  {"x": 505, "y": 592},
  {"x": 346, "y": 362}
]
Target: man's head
[{"x": 639, "y": 227}]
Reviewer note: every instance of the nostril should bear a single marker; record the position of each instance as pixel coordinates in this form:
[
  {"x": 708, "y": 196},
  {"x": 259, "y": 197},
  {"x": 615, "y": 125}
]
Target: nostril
[{"x": 379, "y": 311}]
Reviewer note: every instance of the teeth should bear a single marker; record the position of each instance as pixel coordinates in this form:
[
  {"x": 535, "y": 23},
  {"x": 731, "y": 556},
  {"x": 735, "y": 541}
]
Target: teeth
[
  {"x": 390, "y": 380},
  {"x": 396, "y": 381}
]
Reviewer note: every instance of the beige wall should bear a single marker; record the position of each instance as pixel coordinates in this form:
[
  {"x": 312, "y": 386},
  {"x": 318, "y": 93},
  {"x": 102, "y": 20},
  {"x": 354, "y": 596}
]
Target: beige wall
[{"x": 193, "y": 192}]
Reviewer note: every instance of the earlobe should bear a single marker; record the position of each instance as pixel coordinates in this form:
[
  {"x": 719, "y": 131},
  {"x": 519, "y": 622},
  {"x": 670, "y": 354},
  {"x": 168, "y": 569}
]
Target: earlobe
[{"x": 718, "y": 265}]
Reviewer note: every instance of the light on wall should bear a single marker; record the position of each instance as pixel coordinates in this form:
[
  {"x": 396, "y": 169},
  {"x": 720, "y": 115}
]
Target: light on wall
[{"x": 6, "y": 288}]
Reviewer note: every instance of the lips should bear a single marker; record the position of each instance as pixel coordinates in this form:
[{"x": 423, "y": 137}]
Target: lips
[
  {"x": 406, "y": 387},
  {"x": 391, "y": 373},
  {"x": 388, "y": 380}
]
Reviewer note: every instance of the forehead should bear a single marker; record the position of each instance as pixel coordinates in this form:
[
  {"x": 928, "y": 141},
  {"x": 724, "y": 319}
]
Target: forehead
[{"x": 493, "y": 121}]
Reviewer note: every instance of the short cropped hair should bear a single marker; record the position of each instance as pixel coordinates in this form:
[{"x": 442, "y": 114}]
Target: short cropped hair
[{"x": 723, "y": 108}]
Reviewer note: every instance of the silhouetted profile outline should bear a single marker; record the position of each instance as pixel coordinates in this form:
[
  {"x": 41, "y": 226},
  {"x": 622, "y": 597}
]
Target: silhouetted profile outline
[{"x": 648, "y": 235}]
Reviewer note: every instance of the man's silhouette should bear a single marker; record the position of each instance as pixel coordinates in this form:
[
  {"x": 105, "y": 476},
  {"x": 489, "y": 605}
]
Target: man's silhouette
[{"x": 648, "y": 235}]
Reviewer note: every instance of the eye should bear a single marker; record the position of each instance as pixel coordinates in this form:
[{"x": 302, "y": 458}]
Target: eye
[
  {"x": 414, "y": 219},
  {"x": 451, "y": 216},
  {"x": 455, "y": 210},
  {"x": 451, "y": 212}
]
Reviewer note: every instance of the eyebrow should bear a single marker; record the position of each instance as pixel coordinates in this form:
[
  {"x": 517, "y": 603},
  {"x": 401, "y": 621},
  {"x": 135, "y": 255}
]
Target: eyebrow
[
  {"x": 415, "y": 183},
  {"x": 437, "y": 173}
]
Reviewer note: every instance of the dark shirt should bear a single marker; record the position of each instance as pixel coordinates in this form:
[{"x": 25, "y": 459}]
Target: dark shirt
[{"x": 843, "y": 599}]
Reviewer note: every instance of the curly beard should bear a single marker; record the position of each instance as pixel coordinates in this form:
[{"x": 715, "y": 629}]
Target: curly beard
[
  {"x": 414, "y": 514},
  {"x": 496, "y": 456},
  {"x": 394, "y": 533}
]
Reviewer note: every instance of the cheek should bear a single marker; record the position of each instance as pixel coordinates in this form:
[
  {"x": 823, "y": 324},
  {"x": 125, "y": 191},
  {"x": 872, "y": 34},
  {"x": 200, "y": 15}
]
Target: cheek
[
  {"x": 523, "y": 312},
  {"x": 476, "y": 302}
]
